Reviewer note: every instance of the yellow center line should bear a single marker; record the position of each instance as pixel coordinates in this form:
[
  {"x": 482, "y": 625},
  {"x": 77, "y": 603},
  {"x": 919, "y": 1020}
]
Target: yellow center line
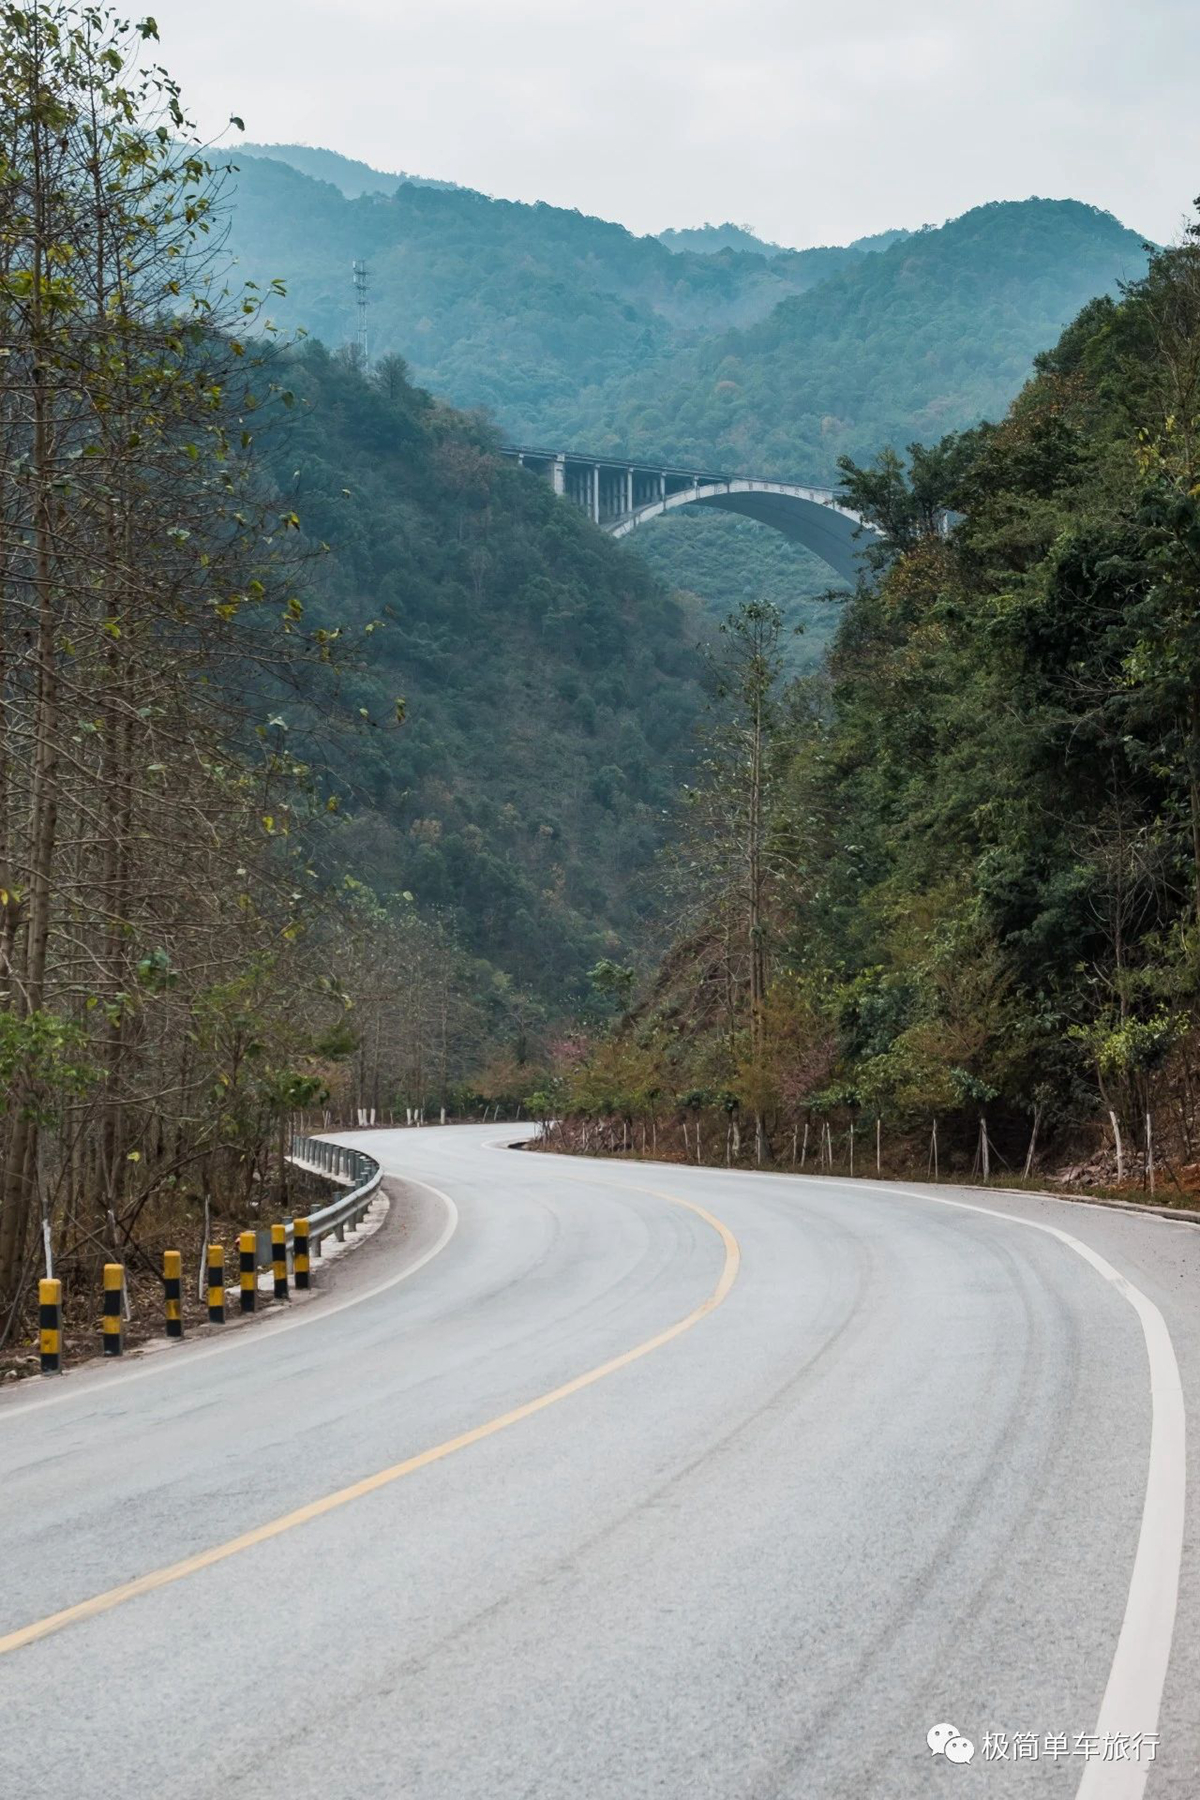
[{"x": 316, "y": 1509}]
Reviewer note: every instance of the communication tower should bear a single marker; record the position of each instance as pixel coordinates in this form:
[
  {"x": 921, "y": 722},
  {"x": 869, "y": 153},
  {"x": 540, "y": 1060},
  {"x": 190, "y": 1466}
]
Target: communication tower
[{"x": 360, "y": 300}]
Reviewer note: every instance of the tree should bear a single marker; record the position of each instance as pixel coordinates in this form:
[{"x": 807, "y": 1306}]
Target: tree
[{"x": 730, "y": 855}]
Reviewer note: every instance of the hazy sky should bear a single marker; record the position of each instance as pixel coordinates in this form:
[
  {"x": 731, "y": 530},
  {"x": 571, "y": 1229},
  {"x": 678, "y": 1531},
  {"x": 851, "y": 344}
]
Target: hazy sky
[{"x": 814, "y": 123}]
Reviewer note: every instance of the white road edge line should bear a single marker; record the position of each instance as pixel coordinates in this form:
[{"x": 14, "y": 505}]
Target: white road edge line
[
  {"x": 1138, "y": 1674},
  {"x": 268, "y": 1330}
]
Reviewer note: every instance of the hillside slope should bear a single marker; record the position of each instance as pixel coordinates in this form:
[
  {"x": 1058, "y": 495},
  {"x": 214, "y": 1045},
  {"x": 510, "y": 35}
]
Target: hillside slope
[
  {"x": 532, "y": 312},
  {"x": 928, "y": 336},
  {"x": 551, "y": 681},
  {"x": 572, "y": 331},
  {"x": 346, "y": 173}
]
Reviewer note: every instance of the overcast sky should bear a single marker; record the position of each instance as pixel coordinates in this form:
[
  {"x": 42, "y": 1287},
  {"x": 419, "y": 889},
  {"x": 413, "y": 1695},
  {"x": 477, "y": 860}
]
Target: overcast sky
[{"x": 814, "y": 123}]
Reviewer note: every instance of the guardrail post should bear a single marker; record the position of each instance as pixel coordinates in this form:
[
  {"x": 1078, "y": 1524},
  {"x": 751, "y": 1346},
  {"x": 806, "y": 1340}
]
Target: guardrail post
[
  {"x": 50, "y": 1326},
  {"x": 247, "y": 1271},
  {"x": 300, "y": 1262},
  {"x": 216, "y": 1284},
  {"x": 173, "y": 1292},
  {"x": 279, "y": 1260},
  {"x": 113, "y": 1329}
]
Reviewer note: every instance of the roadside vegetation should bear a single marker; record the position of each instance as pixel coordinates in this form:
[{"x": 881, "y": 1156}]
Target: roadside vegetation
[
  {"x": 335, "y": 752},
  {"x": 941, "y": 901}
]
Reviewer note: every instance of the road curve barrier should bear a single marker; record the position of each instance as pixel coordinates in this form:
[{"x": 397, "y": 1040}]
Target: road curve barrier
[
  {"x": 113, "y": 1326},
  {"x": 50, "y": 1325},
  {"x": 248, "y": 1270},
  {"x": 280, "y": 1247},
  {"x": 360, "y": 1173},
  {"x": 173, "y": 1292},
  {"x": 215, "y": 1260}
]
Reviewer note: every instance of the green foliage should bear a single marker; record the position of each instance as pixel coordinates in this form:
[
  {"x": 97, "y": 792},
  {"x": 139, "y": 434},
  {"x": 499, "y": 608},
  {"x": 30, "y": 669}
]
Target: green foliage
[
  {"x": 929, "y": 336},
  {"x": 723, "y": 561},
  {"x": 613, "y": 981},
  {"x": 529, "y": 311},
  {"x": 43, "y": 1063},
  {"x": 551, "y": 683},
  {"x": 987, "y": 822},
  {"x": 571, "y": 331}
]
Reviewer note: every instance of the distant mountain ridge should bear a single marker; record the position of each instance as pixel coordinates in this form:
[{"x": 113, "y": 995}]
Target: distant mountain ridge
[
  {"x": 710, "y": 240},
  {"x": 925, "y": 337},
  {"x": 520, "y": 309},
  {"x": 344, "y": 172},
  {"x": 572, "y": 330}
]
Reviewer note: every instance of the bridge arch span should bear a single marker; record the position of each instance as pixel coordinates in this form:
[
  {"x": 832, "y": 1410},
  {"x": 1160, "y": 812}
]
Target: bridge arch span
[
  {"x": 623, "y": 496},
  {"x": 808, "y": 516}
]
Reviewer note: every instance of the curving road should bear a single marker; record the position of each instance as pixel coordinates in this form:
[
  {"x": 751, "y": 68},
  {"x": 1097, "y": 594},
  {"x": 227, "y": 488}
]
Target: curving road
[{"x": 593, "y": 1481}]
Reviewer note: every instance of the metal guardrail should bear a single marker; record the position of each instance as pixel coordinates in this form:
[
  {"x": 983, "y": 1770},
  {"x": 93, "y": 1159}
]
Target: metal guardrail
[
  {"x": 272, "y": 1246},
  {"x": 337, "y": 1162}
]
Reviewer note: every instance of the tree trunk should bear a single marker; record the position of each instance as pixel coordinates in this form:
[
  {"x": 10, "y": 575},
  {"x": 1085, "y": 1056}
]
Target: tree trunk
[
  {"x": 1029, "y": 1154},
  {"x": 1120, "y": 1146},
  {"x": 19, "y": 1180}
]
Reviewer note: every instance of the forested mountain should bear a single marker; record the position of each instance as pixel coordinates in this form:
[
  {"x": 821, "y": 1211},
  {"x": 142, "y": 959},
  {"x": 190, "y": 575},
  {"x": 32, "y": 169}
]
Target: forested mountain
[
  {"x": 952, "y": 885},
  {"x": 934, "y": 334},
  {"x": 931, "y": 335},
  {"x": 332, "y": 746},
  {"x": 879, "y": 240},
  {"x": 344, "y": 172},
  {"x": 570, "y": 330},
  {"x": 709, "y": 240},
  {"x": 551, "y": 682},
  {"x": 532, "y": 312}
]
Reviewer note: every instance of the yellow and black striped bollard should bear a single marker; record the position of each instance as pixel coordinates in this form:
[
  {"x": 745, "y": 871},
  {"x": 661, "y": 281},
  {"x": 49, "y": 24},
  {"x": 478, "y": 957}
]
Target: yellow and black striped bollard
[
  {"x": 300, "y": 1262},
  {"x": 173, "y": 1292},
  {"x": 216, "y": 1284},
  {"x": 50, "y": 1326},
  {"x": 113, "y": 1327},
  {"x": 279, "y": 1260},
  {"x": 247, "y": 1270}
]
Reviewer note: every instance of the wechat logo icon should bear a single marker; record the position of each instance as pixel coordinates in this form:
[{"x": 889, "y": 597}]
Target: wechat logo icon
[{"x": 948, "y": 1741}]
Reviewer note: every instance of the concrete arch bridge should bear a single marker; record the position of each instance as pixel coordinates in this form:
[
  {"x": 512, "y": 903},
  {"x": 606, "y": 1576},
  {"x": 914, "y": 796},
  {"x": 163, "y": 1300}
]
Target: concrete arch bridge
[{"x": 621, "y": 496}]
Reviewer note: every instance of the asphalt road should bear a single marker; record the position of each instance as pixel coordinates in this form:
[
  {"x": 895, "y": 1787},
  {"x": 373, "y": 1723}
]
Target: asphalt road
[{"x": 620, "y": 1480}]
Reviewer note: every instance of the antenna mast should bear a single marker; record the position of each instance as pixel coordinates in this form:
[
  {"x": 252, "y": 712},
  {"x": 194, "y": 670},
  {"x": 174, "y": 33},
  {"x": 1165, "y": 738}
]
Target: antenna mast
[{"x": 360, "y": 300}]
